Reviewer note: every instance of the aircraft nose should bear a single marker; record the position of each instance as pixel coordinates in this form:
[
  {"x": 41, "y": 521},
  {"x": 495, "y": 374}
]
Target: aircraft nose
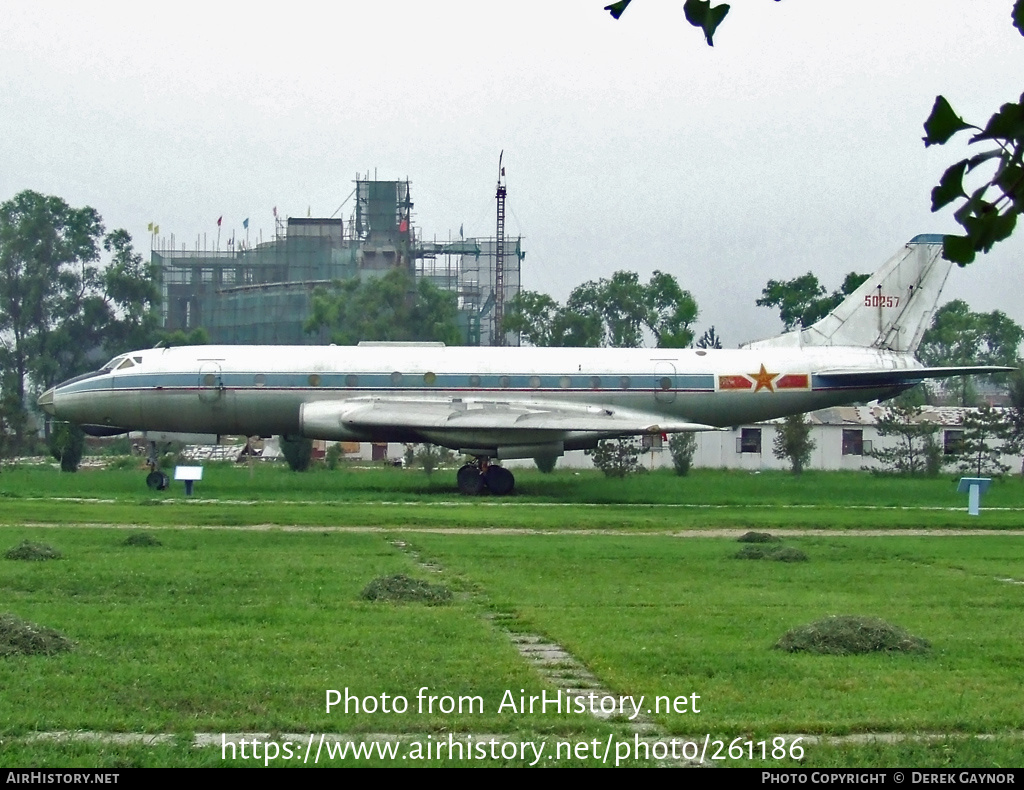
[{"x": 46, "y": 402}]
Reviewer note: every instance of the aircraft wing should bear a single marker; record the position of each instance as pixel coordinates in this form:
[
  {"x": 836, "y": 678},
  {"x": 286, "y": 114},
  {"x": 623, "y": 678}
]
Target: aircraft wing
[
  {"x": 882, "y": 378},
  {"x": 486, "y": 415}
]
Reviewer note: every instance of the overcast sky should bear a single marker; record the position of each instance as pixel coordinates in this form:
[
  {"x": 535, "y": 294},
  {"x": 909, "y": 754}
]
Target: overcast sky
[{"x": 792, "y": 145}]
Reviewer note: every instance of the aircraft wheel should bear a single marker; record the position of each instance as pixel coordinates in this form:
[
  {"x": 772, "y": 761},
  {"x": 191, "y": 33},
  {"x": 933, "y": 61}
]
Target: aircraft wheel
[
  {"x": 470, "y": 481},
  {"x": 499, "y": 480},
  {"x": 158, "y": 481}
]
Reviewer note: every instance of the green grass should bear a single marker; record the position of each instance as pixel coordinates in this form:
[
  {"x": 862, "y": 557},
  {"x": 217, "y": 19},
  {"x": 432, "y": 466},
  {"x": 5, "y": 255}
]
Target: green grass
[
  {"x": 228, "y": 630},
  {"x": 563, "y": 500},
  {"x": 663, "y": 616}
]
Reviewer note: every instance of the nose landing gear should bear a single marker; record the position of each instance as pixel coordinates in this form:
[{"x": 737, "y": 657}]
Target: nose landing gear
[
  {"x": 480, "y": 475},
  {"x": 156, "y": 479}
]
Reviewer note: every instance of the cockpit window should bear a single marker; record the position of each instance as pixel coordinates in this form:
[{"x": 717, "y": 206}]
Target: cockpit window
[{"x": 121, "y": 363}]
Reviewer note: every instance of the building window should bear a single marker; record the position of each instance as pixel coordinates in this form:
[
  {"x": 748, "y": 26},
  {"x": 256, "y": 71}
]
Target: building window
[
  {"x": 952, "y": 442},
  {"x": 853, "y": 441},
  {"x": 749, "y": 441},
  {"x": 652, "y": 442}
]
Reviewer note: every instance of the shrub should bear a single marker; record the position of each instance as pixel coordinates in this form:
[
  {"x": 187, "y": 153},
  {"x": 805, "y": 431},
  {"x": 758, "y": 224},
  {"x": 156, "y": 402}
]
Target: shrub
[
  {"x": 850, "y": 635},
  {"x": 787, "y": 554},
  {"x": 334, "y": 455},
  {"x": 777, "y": 553},
  {"x": 546, "y": 463},
  {"x": 757, "y": 537},
  {"x": 793, "y": 442},
  {"x": 617, "y": 457},
  {"x": 141, "y": 539},
  {"x": 297, "y": 451},
  {"x": 20, "y": 637},
  {"x": 682, "y": 446},
  {"x": 27, "y": 550},
  {"x": 403, "y": 589},
  {"x": 67, "y": 443}
]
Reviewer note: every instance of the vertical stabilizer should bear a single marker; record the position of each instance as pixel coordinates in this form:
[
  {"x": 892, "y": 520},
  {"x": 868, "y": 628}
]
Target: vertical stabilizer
[{"x": 891, "y": 309}]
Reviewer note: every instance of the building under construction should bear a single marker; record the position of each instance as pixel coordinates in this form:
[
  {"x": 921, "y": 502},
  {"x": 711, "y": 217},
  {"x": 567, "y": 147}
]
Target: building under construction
[{"x": 262, "y": 294}]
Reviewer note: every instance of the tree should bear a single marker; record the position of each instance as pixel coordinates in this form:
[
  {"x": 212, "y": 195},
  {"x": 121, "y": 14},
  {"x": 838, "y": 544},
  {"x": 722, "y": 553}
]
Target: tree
[
  {"x": 682, "y": 446},
  {"x": 427, "y": 456},
  {"x": 58, "y": 306},
  {"x": 793, "y": 441},
  {"x": 959, "y": 337},
  {"x": 984, "y": 443},
  {"x": 709, "y": 339},
  {"x": 803, "y": 300},
  {"x": 542, "y": 322},
  {"x": 197, "y": 337},
  {"x": 47, "y": 250},
  {"x": 389, "y": 308},
  {"x": 297, "y": 451},
  {"x": 67, "y": 443},
  {"x": 1015, "y": 437},
  {"x": 617, "y": 457},
  {"x": 915, "y": 452},
  {"x": 132, "y": 294},
  {"x": 989, "y": 214},
  {"x": 615, "y": 312}
]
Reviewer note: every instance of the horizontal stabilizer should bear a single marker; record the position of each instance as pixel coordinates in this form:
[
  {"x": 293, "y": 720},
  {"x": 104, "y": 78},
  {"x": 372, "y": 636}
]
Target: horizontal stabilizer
[{"x": 882, "y": 378}]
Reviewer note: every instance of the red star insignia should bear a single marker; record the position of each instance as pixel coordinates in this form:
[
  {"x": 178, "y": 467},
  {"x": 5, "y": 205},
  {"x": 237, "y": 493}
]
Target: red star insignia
[{"x": 763, "y": 379}]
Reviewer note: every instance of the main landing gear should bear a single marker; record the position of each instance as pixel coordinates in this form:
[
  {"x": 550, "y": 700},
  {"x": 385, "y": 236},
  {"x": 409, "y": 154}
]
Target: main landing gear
[{"x": 480, "y": 475}]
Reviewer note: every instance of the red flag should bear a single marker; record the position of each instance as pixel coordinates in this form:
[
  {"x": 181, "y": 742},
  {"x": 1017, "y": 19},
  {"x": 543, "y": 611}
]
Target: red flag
[
  {"x": 219, "y": 219},
  {"x": 403, "y": 226}
]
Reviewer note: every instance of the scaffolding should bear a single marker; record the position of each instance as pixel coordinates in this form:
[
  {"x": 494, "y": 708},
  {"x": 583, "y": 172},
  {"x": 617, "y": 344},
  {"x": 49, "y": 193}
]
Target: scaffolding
[{"x": 263, "y": 294}]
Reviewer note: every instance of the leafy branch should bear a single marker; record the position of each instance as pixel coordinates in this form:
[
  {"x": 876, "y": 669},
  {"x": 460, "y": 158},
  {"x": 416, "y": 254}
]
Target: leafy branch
[
  {"x": 699, "y": 13},
  {"x": 989, "y": 214}
]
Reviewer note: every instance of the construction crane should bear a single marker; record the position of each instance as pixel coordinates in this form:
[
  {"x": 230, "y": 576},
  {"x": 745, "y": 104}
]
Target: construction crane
[{"x": 498, "y": 335}]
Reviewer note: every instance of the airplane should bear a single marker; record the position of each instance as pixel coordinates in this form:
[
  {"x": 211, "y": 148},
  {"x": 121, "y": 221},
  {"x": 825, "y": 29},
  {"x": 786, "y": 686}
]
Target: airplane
[{"x": 495, "y": 404}]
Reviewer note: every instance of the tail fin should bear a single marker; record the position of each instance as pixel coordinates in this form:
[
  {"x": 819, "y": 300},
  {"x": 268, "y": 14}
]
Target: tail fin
[{"x": 891, "y": 309}]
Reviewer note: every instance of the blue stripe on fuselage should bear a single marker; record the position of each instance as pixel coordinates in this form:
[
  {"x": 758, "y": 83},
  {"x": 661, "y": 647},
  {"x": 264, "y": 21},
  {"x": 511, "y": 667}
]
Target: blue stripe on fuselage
[{"x": 383, "y": 381}]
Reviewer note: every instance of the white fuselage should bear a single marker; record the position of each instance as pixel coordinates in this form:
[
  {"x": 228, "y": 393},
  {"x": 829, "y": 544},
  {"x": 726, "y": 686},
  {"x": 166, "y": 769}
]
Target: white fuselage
[{"x": 261, "y": 390}]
